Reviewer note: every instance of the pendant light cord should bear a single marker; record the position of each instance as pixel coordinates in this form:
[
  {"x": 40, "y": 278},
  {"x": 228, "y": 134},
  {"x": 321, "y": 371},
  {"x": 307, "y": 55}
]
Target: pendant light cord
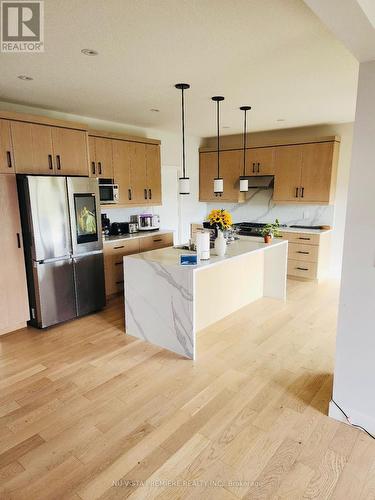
[
  {"x": 183, "y": 134},
  {"x": 244, "y": 145},
  {"x": 218, "y": 140}
]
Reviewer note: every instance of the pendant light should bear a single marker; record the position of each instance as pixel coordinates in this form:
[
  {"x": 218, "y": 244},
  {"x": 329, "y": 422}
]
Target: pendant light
[
  {"x": 244, "y": 182},
  {"x": 218, "y": 181},
  {"x": 184, "y": 182}
]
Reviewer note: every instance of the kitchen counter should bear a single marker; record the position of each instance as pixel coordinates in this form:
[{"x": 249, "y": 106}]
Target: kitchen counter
[
  {"x": 134, "y": 236},
  {"x": 306, "y": 231},
  {"x": 166, "y": 304}
]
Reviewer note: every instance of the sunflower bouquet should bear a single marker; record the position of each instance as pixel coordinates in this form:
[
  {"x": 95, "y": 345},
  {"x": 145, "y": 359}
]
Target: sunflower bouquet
[{"x": 220, "y": 218}]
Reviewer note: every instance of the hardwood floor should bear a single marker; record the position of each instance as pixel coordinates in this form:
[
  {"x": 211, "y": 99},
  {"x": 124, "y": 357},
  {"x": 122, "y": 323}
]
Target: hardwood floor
[{"x": 87, "y": 412}]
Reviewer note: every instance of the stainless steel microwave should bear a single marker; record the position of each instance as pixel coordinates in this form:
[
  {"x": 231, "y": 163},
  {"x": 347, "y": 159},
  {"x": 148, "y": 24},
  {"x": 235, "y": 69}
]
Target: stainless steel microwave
[{"x": 108, "y": 191}]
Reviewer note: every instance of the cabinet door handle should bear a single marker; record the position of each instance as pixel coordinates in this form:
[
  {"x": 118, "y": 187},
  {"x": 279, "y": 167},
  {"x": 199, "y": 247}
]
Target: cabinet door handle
[
  {"x": 159, "y": 239},
  {"x": 258, "y": 168},
  {"x": 119, "y": 282},
  {"x": 100, "y": 167},
  {"x": 129, "y": 194},
  {"x": 304, "y": 253},
  {"x": 145, "y": 193},
  {"x": 9, "y": 159},
  {"x": 302, "y": 238},
  {"x": 58, "y": 161},
  {"x": 118, "y": 263},
  {"x": 93, "y": 167},
  {"x": 302, "y": 268},
  {"x": 302, "y": 192},
  {"x": 150, "y": 194},
  {"x": 253, "y": 168},
  {"x": 18, "y": 240},
  {"x": 297, "y": 189},
  {"x": 50, "y": 164},
  {"x": 118, "y": 248}
]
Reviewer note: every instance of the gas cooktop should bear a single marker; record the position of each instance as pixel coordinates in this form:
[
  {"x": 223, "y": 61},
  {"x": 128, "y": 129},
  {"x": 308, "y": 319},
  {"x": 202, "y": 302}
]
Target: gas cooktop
[{"x": 251, "y": 228}]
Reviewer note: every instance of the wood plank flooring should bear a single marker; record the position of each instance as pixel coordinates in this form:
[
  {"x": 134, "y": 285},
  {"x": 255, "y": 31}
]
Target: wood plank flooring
[{"x": 87, "y": 412}]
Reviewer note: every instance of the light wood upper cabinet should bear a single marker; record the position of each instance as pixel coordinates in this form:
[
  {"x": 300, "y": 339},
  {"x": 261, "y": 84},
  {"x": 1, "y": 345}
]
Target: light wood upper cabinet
[
  {"x": 288, "y": 173},
  {"x": 6, "y": 150},
  {"x": 260, "y": 161},
  {"x": 32, "y": 147},
  {"x": 153, "y": 174},
  {"x": 138, "y": 174},
  {"x": 42, "y": 149},
  {"x": 101, "y": 157},
  {"x": 207, "y": 174},
  {"x": 318, "y": 178},
  {"x": 122, "y": 161},
  {"x": 304, "y": 173},
  {"x": 14, "y": 306},
  {"x": 231, "y": 163},
  {"x": 70, "y": 151}
]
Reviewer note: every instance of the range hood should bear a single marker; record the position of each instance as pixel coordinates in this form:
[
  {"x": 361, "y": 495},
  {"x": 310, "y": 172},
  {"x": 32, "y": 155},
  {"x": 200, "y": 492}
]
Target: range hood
[{"x": 259, "y": 181}]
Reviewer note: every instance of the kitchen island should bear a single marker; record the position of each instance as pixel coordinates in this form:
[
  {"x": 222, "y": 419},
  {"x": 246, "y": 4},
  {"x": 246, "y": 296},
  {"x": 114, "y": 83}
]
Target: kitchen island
[{"x": 166, "y": 304}]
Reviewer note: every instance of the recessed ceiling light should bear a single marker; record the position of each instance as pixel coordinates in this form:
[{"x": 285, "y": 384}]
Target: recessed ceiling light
[
  {"x": 280, "y": 120},
  {"x": 154, "y": 110},
  {"x": 25, "y": 77},
  {"x": 89, "y": 52}
]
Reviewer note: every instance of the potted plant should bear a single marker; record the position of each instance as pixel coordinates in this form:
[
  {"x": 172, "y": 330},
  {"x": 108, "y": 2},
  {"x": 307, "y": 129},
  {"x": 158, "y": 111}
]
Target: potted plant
[
  {"x": 222, "y": 220},
  {"x": 271, "y": 230}
]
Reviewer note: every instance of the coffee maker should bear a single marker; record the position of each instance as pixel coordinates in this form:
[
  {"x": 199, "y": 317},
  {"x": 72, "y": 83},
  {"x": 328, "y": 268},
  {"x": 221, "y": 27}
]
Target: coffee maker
[{"x": 106, "y": 224}]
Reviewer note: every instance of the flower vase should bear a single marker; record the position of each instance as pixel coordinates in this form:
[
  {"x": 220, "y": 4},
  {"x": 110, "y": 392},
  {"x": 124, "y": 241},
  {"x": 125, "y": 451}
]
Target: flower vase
[{"x": 220, "y": 244}]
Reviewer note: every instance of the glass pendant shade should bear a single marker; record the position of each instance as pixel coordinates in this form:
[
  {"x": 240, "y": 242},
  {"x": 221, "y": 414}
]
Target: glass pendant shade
[
  {"x": 218, "y": 185},
  {"x": 244, "y": 185},
  {"x": 184, "y": 185}
]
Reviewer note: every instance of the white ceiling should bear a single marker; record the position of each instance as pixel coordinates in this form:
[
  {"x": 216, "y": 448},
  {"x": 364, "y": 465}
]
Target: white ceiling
[{"x": 274, "y": 55}]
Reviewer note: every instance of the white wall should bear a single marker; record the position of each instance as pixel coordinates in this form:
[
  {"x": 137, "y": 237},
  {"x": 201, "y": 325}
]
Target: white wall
[
  {"x": 190, "y": 210},
  {"x": 260, "y": 207},
  {"x": 354, "y": 377}
]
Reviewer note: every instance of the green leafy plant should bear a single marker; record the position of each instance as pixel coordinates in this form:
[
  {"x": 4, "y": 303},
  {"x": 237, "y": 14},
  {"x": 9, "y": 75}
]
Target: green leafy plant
[{"x": 272, "y": 229}]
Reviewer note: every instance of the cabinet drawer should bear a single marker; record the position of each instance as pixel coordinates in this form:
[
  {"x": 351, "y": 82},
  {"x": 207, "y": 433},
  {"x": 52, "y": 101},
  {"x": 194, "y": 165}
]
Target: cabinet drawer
[
  {"x": 155, "y": 242},
  {"x": 122, "y": 247},
  {"x": 305, "y": 238},
  {"x": 302, "y": 269},
  {"x": 299, "y": 251}
]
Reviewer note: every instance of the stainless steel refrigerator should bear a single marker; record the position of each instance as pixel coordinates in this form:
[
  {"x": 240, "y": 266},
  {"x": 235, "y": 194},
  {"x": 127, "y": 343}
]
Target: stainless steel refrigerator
[{"x": 63, "y": 244}]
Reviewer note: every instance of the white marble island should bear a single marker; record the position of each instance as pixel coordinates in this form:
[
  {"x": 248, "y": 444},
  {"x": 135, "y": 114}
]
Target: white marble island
[{"x": 166, "y": 304}]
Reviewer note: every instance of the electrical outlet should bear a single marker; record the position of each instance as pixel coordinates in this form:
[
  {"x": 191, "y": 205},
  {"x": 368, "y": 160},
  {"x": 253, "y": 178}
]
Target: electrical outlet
[{"x": 306, "y": 214}]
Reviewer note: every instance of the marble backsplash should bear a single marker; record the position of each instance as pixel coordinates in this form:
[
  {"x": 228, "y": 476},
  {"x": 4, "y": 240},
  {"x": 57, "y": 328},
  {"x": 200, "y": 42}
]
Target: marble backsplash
[{"x": 260, "y": 207}]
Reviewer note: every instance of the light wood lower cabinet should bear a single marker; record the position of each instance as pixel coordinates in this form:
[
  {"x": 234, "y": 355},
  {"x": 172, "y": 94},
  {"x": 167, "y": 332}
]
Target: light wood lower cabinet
[
  {"x": 14, "y": 305},
  {"x": 155, "y": 242},
  {"x": 114, "y": 252},
  {"x": 113, "y": 263},
  {"x": 308, "y": 254}
]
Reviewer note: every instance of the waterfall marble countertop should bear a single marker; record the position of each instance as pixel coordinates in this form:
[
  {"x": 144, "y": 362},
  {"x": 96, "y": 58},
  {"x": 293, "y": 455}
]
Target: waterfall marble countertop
[
  {"x": 170, "y": 256},
  {"x": 166, "y": 303}
]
